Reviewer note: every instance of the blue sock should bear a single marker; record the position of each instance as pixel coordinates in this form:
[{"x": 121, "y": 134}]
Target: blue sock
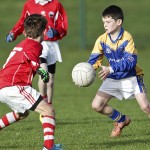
[{"x": 117, "y": 116}]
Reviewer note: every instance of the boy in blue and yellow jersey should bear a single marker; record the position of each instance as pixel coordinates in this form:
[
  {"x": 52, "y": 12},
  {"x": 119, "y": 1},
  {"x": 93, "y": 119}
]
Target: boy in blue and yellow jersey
[{"x": 123, "y": 78}]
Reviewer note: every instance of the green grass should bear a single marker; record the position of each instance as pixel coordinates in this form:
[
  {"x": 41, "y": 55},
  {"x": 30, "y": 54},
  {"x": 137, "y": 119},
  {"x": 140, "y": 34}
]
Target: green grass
[{"x": 78, "y": 127}]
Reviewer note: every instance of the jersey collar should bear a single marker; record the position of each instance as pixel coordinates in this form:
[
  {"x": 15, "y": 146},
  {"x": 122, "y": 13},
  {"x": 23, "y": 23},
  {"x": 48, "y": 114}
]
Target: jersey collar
[
  {"x": 119, "y": 36},
  {"x": 42, "y": 2}
]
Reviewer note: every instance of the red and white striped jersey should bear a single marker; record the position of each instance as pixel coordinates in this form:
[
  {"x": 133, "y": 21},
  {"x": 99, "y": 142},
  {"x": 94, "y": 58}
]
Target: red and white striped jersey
[
  {"x": 21, "y": 64},
  {"x": 53, "y": 11}
]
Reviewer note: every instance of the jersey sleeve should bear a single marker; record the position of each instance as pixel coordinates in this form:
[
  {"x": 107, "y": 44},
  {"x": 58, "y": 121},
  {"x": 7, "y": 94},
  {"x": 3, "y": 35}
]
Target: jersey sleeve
[
  {"x": 18, "y": 27},
  {"x": 61, "y": 21},
  {"x": 96, "y": 56},
  {"x": 129, "y": 61},
  {"x": 31, "y": 56}
]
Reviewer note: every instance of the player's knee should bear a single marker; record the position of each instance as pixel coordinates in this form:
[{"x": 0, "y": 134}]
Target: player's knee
[
  {"x": 96, "y": 107},
  {"x": 50, "y": 83},
  {"x": 145, "y": 108}
]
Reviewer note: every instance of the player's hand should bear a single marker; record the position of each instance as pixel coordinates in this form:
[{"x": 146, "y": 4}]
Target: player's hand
[
  {"x": 104, "y": 72},
  {"x": 52, "y": 33},
  {"x": 10, "y": 37},
  {"x": 44, "y": 74}
]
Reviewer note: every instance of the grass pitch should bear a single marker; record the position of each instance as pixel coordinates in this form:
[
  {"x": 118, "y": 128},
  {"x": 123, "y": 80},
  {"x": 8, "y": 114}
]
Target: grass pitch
[{"x": 78, "y": 127}]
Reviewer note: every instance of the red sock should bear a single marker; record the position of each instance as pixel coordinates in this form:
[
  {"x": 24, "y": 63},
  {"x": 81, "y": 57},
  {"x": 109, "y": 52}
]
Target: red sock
[
  {"x": 48, "y": 124},
  {"x": 8, "y": 119}
]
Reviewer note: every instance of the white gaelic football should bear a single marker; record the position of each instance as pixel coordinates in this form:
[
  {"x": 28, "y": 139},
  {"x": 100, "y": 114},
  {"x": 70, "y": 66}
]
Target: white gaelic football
[{"x": 83, "y": 74}]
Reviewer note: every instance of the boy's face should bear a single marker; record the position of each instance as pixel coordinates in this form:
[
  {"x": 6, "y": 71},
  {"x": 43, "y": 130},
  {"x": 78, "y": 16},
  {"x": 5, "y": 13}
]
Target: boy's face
[{"x": 111, "y": 25}]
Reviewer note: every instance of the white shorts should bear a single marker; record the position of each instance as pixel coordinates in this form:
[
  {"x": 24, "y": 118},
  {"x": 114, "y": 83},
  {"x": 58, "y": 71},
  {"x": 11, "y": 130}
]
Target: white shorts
[
  {"x": 51, "y": 52},
  {"x": 19, "y": 98},
  {"x": 124, "y": 88}
]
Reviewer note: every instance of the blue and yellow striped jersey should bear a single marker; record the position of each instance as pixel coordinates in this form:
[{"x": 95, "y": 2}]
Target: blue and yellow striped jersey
[{"x": 121, "y": 55}]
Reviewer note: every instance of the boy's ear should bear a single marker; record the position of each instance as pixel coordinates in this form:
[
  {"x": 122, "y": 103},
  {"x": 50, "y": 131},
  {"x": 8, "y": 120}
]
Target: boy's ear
[
  {"x": 119, "y": 21},
  {"x": 24, "y": 33}
]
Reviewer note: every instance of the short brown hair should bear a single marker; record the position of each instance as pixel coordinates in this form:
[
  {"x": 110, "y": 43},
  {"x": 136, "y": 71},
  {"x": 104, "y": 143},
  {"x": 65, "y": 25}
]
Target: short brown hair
[
  {"x": 34, "y": 25},
  {"x": 114, "y": 11}
]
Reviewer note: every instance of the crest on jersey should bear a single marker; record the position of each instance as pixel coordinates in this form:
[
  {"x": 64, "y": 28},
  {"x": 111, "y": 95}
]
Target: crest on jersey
[
  {"x": 43, "y": 13},
  {"x": 108, "y": 50},
  {"x": 51, "y": 14}
]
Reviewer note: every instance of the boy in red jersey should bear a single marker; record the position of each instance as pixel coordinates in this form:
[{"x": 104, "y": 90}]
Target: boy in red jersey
[
  {"x": 56, "y": 29},
  {"x": 16, "y": 80}
]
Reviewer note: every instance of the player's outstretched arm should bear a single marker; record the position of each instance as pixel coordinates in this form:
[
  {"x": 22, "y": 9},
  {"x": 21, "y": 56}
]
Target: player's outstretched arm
[{"x": 18, "y": 27}]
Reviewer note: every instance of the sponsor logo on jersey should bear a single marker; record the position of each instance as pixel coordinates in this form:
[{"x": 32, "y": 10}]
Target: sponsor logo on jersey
[{"x": 51, "y": 14}]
